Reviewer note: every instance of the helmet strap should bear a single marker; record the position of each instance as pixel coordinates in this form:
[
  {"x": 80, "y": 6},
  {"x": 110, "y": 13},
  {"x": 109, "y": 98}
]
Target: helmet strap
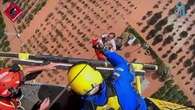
[
  {"x": 76, "y": 75},
  {"x": 87, "y": 93},
  {"x": 65, "y": 89}
]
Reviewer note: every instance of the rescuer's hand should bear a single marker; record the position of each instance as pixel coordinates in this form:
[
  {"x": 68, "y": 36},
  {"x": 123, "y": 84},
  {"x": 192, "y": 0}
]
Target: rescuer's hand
[
  {"x": 31, "y": 69},
  {"x": 45, "y": 104},
  {"x": 51, "y": 66},
  {"x": 97, "y": 45}
]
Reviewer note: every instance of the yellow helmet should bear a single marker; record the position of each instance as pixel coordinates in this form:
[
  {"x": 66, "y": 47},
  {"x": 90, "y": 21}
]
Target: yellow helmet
[{"x": 82, "y": 78}]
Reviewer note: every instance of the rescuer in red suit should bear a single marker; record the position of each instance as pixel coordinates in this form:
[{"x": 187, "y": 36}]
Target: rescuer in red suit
[{"x": 11, "y": 80}]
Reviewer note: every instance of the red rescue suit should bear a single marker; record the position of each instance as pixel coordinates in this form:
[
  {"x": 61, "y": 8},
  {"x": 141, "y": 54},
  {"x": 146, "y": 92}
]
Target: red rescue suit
[{"x": 10, "y": 82}]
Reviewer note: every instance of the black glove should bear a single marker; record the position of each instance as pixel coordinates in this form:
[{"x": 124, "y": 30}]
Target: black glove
[
  {"x": 15, "y": 68},
  {"x": 15, "y": 92}
]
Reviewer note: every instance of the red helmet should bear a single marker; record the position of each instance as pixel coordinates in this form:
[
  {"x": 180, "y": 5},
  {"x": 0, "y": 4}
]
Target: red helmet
[
  {"x": 9, "y": 81},
  {"x": 7, "y": 104}
]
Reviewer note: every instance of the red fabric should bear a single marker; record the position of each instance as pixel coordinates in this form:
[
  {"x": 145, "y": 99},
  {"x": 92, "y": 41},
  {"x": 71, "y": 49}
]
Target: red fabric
[
  {"x": 94, "y": 41},
  {"x": 99, "y": 54},
  {"x": 7, "y": 104},
  {"x": 15, "y": 10},
  {"x": 9, "y": 80}
]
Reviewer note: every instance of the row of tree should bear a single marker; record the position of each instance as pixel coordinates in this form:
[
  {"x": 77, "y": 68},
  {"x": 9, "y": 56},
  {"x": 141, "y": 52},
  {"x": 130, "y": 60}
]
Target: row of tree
[
  {"x": 163, "y": 69},
  {"x": 30, "y": 9},
  {"x": 2, "y": 26},
  {"x": 171, "y": 92},
  {"x": 4, "y": 43},
  {"x": 5, "y": 1}
]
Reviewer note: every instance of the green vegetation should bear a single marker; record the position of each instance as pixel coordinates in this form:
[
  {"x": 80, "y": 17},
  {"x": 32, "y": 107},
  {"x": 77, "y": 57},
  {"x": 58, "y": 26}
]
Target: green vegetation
[
  {"x": 161, "y": 23},
  {"x": 189, "y": 4},
  {"x": 5, "y": 1},
  {"x": 4, "y": 43},
  {"x": 30, "y": 9},
  {"x": 168, "y": 40},
  {"x": 157, "y": 39},
  {"x": 171, "y": 92},
  {"x": 172, "y": 57},
  {"x": 169, "y": 28},
  {"x": 39, "y": 6},
  {"x": 162, "y": 67},
  {"x": 151, "y": 34},
  {"x": 187, "y": 63},
  {"x": 2, "y": 26},
  {"x": 191, "y": 65},
  {"x": 28, "y": 18},
  {"x": 59, "y": 33},
  {"x": 183, "y": 34},
  {"x": 86, "y": 38},
  {"x": 154, "y": 18},
  {"x": 191, "y": 70}
]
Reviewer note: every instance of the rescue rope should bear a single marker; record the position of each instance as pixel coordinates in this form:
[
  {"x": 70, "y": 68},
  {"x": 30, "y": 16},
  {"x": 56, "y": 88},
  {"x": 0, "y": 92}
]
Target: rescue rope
[{"x": 64, "y": 90}]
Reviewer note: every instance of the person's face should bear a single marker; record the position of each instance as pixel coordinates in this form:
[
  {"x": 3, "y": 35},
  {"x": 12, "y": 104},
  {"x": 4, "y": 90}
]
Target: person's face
[{"x": 94, "y": 90}]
